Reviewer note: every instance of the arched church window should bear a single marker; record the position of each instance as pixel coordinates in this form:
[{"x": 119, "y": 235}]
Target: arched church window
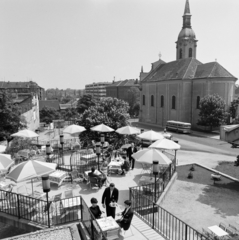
[
  {"x": 190, "y": 52},
  {"x": 198, "y": 102},
  {"x": 180, "y": 53},
  {"x": 173, "y": 102},
  {"x": 152, "y": 100},
  {"x": 143, "y": 99},
  {"x": 162, "y": 101}
]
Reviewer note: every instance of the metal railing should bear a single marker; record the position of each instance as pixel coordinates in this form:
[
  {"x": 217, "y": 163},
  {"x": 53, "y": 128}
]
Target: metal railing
[
  {"x": 143, "y": 202},
  {"x": 90, "y": 223}
]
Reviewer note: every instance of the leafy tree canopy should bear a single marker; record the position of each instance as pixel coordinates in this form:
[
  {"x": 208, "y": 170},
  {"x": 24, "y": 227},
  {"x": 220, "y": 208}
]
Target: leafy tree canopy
[
  {"x": 69, "y": 114},
  {"x": 85, "y": 102},
  {"x": 110, "y": 111},
  {"x": 212, "y": 111},
  {"x": 10, "y": 116},
  {"x": 47, "y": 115}
]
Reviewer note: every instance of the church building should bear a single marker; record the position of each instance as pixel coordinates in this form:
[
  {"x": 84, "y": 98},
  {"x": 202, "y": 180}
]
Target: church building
[{"x": 172, "y": 91}]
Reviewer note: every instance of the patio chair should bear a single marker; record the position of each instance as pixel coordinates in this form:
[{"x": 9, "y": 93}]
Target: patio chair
[
  {"x": 233, "y": 227},
  {"x": 146, "y": 168},
  {"x": 207, "y": 234},
  {"x": 76, "y": 177},
  {"x": 93, "y": 182},
  {"x": 222, "y": 226}
]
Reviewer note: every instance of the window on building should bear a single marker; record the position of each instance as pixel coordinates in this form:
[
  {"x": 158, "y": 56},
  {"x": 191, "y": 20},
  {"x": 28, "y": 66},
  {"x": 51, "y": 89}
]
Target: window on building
[
  {"x": 152, "y": 100},
  {"x": 173, "y": 102},
  {"x": 162, "y": 101},
  {"x": 198, "y": 102},
  {"x": 190, "y": 52},
  {"x": 143, "y": 99},
  {"x": 180, "y": 53}
]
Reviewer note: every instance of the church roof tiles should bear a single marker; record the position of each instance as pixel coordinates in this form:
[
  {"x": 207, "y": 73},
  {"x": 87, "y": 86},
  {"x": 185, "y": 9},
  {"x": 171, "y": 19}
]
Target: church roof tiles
[
  {"x": 212, "y": 70},
  {"x": 187, "y": 68}
]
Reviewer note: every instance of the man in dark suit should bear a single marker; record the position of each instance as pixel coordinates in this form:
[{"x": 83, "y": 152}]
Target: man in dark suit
[
  {"x": 130, "y": 151},
  {"x": 110, "y": 195},
  {"x": 127, "y": 215},
  {"x": 101, "y": 178}
]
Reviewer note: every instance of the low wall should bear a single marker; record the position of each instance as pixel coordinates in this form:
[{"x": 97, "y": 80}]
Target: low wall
[{"x": 163, "y": 195}]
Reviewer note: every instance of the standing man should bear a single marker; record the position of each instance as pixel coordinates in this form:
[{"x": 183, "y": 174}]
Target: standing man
[
  {"x": 110, "y": 195},
  {"x": 131, "y": 150}
]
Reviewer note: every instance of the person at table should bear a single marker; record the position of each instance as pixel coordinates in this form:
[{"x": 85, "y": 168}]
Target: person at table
[
  {"x": 130, "y": 151},
  {"x": 126, "y": 216},
  {"x": 125, "y": 166},
  {"x": 104, "y": 167},
  {"x": 95, "y": 209},
  {"x": 110, "y": 195},
  {"x": 101, "y": 177}
]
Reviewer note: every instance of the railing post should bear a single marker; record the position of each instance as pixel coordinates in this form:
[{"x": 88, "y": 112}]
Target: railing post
[
  {"x": 153, "y": 216},
  {"x": 18, "y": 207},
  {"x": 186, "y": 232}
]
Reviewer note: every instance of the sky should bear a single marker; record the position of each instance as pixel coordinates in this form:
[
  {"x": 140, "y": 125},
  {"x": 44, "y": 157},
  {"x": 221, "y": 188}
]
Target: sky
[{"x": 70, "y": 43}]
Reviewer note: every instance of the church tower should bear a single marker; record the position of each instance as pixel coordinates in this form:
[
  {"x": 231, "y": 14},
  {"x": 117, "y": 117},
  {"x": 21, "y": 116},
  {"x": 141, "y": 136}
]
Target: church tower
[{"x": 187, "y": 44}]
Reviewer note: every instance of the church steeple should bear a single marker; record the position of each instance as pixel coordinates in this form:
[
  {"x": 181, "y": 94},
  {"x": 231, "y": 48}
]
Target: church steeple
[
  {"x": 187, "y": 16},
  {"x": 187, "y": 43}
]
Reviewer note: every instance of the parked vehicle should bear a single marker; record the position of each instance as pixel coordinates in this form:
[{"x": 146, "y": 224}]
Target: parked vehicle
[{"x": 178, "y": 126}]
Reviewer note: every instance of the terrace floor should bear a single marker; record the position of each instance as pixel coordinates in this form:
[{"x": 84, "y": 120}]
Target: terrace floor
[{"x": 139, "y": 228}]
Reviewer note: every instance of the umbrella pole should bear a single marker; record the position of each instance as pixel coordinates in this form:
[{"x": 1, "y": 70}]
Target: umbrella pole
[
  {"x": 32, "y": 186},
  {"x": 175, "y": 157}
]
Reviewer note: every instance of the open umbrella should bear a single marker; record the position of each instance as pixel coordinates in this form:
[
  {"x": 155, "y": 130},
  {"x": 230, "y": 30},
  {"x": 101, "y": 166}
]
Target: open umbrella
[
  {"x": 74, "y": 129},
  {"x": 5, "y": 162},
  {"x": 25, "y": 133},
  {"x": 150, "y": 155},
  {"x": 128, "y": 130},
  {"x": 165, "y": 144},
  {"x": 151, "y": 135},
  {"x": 29, "y": 170},
  {"x": 102, "y": 128}
]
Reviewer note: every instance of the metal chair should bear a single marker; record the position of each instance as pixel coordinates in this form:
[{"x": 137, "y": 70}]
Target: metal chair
[
  {"x": 146, "y": 168},
  {"x": 94, "y": 182}
]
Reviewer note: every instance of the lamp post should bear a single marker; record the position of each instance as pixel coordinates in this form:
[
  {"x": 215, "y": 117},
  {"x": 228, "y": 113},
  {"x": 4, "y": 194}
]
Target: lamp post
[
  {"x": 155, "y": 172},
  {"x": 37, "y": 132},
  {"x": 46, "y": 188},
  {"x": 62, "y": 145},
  {"x": 48, "y": 152},
  {"x": 102, "y": 140},
  {"x": 98, "y": 154}
]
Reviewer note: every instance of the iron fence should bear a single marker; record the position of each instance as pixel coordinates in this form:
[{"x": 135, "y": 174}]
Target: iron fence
[
  {"x": 90, "y": 223},
  {"x": 161, "y": 220}
]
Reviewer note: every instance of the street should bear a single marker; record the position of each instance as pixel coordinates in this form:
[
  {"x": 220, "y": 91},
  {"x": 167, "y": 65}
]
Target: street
[{"x": 195, "y": 142}]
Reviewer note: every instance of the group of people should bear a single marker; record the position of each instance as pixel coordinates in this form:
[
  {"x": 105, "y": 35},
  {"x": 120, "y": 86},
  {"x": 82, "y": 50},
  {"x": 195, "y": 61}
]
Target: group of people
[{"x": 109, "y": 201}]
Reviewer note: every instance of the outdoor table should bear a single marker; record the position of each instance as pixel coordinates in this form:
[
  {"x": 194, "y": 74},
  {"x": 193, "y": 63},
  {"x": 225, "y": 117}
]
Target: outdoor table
[
  {"x": 115, "y": 166},
  {"x": 109, "y": 226},
  {"x": 146, "y": 180},
  {"x": 217, "y": 231},
  {"x": 97, "y": 172},
  {"x": 58, "y": 177}
]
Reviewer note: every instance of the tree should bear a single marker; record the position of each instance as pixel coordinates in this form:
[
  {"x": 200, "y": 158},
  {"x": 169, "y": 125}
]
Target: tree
[
  {"x": 212, "y": 111},
  {"x": 133, "y": 99},
  {"x": 70, "y": 113},
  {"x": 47, "y": 115},
  {"x": 233, "y": 110},
  {"x": 110, "y": 111},
  {"x": 85, "y": 102},
  {"x": 10, "y": 116},
  {"x": 66, "y": 99}
]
